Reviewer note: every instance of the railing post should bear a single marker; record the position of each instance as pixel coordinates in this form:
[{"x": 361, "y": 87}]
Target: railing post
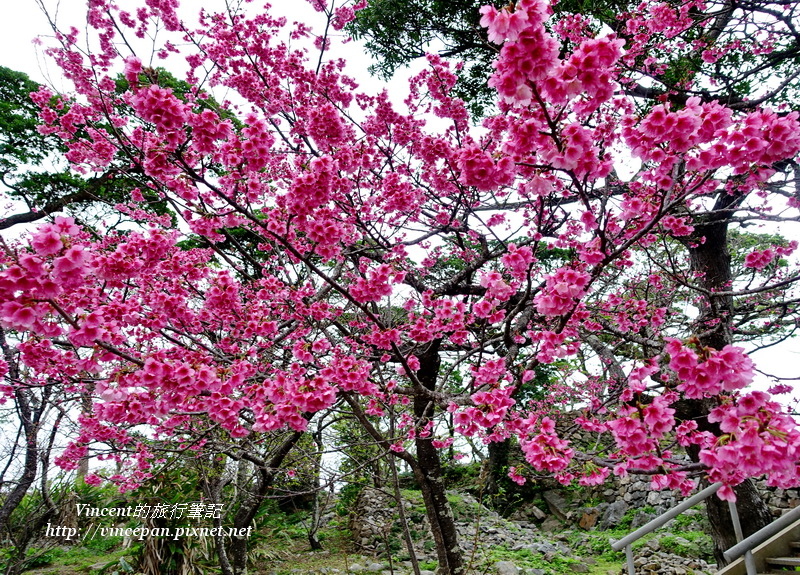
[
  {"x": 629, "y": 560},
  {"x": 749, "y": 561},
  {"x": 759, "y": 537}
]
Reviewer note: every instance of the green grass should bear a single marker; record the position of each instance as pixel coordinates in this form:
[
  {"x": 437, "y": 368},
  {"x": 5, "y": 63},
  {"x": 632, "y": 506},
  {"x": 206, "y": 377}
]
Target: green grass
[
  {"x": 525, "y": 558},
  {"x": 280, "y": 545},
  {"x": 80, "y": 559}
]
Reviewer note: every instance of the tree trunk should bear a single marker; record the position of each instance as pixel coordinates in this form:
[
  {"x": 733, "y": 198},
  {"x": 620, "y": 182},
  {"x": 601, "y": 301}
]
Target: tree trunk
[
  {"x": 29, "y": 413},
  {"x": 252, "y": 502},
  {"x": 710, "y": 261},
  {"x": 429, "y": 473},
  {"x": 498, "y": 467},
  {"x": 753, "y": 514}
]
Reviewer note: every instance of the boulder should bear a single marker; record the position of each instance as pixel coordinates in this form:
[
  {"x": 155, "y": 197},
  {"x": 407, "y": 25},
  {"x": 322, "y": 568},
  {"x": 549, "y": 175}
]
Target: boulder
[
  {"x": 552, "y": 524},
  {"x": 557, "y": 504},
  {"x": 589, "y": 518},
  {"x": 506, "y": 568},
  {"x": 613, "y": 515}
]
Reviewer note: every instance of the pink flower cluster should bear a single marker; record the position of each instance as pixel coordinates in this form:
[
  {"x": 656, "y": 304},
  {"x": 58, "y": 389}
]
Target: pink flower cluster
[
  {"x": 377, "y": 285},
  {"x": 491, "y": 409},
  {"x": 561, "y": 291},
  {"x": 727, "y": 369},
  {"x": 544, "y": 450},
  {"x": 480, "y": 170},
  {"x": 313, "y": 187},
  {"x": 759, "y": 259},
  {"x": 638, "y": 428},
  {"x": 708, "y": 129},
  {"x": 529, "y": 62},
  {"x": 350, "y": 374},
  {"x": 503, "y": 25},
  {"x": 59, "y": 263},
  {"x": 758, "y": 438},
  {"x": 518, "y": 261},
  {"x": 161, "y": 107}
]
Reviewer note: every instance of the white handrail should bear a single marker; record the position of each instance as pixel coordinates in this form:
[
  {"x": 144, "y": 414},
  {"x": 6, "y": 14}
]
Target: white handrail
[
  {"x": 763, "y": 534},
  {"x": 665, "y": 517},
  {"x": 627, "y": 541}
]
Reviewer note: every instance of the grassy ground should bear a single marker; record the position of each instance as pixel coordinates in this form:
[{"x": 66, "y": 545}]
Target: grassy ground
[{"x": 281, "y": 547}]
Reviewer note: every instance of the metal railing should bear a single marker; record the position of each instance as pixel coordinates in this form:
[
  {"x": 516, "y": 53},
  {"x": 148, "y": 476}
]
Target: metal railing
[
  {"x": 627, "y": 541},
  {"x": 762, "y": 535}
]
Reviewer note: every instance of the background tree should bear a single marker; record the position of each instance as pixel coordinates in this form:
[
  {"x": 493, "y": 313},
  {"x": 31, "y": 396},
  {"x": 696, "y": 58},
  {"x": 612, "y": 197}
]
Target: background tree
[{"x": 397, "y": 32}]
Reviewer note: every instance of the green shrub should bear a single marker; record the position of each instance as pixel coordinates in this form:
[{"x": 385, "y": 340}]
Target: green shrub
[
  {"x": 347, "y": 498},
  {"x": 693, "y": 544}
]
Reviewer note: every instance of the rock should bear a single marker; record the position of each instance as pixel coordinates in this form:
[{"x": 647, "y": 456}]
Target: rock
[
  {"x": 375, "y": 567},
  {"x": 551, "y": 524},
  {"x": 654, "y": 497},
  {"x": 536, "y": 513},
  {"x": 579, "y": 568},
  {"x": 556, "y": 504},
  {"x": 506, "y": 568},
  {"x": 356, "y": 568},
  {"x": 426, "y": 572},
  {"x": 641, "y": 518},
  {"x": 613, "y": 515},
  {"x": 589, "y": 518},
  {"x": 543, "y": 547}
]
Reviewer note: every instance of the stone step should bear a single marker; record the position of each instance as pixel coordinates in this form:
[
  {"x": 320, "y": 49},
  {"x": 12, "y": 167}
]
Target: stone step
[
  {"x": 784, "y": 561},
  {"x": 795, "y": 545}
]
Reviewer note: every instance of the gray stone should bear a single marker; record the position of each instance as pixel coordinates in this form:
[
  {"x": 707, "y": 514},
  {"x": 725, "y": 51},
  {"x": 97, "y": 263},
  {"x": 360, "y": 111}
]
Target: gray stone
[
  {"x": 654, "y": 497},
  {"x": 356, "y": 568},
  {"x": 375, "y": 567},
  {"x": 613, "y": 514},
  {"x": 506, "y": 568},
  {"x": 579, "y": 568},
  {"x": 551, "y": 524},
  {"x": 537, "y": 513},
  {"x": 543, "y": 547},
  {"x": 557, "y": 504},
  {"x": 641, "y": 518}
]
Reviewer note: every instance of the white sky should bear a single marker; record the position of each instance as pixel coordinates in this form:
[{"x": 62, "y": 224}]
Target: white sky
[{"x": 27, "y": 21}]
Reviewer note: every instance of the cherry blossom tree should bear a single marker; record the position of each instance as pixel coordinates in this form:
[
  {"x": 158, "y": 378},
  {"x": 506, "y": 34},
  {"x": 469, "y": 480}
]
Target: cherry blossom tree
[{"x": 359, "y": 252}]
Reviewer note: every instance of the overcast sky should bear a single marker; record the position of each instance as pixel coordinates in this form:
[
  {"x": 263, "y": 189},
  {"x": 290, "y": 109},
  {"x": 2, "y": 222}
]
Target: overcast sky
[{"x": 17, "y": 50}]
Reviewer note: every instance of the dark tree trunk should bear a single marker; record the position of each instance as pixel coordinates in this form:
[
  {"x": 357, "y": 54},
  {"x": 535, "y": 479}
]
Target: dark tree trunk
[
  {"x": 30, "y": 428},
  {"x": 753, "y": 514},
  {"x": 250, "y": 505},
  {"x": 428, "y": 472},
  {"x": 30, "y": 413},
  {"x": 710, "y": 260},
  {"x": 498, "y": 466}
]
